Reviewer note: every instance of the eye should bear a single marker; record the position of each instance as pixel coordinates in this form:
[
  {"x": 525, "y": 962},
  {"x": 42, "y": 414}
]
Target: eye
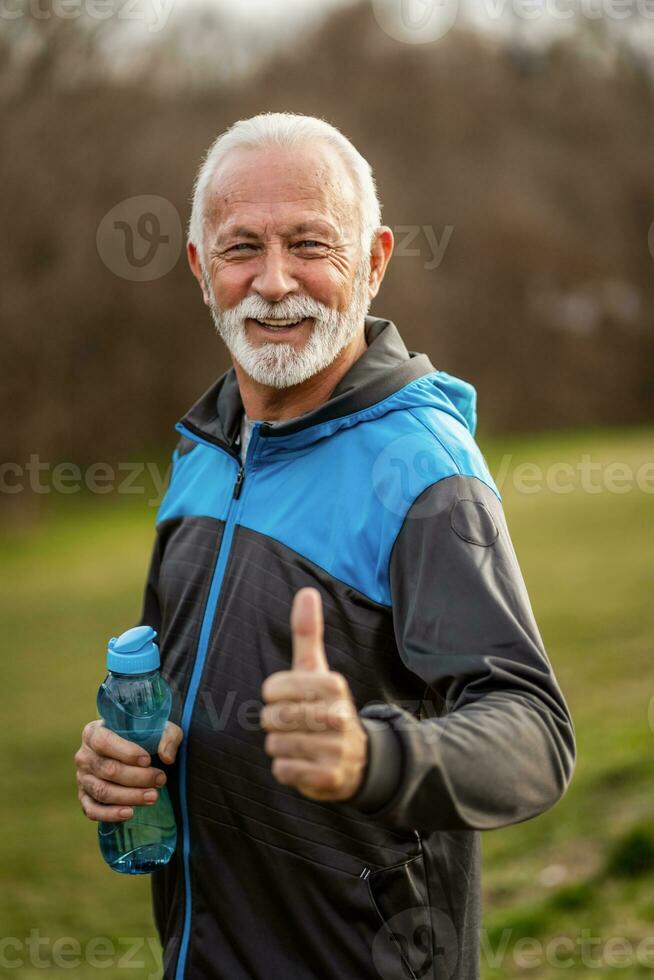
[
  {"x": 240, "y": 246},
  {"x": 310, "y": 243}
]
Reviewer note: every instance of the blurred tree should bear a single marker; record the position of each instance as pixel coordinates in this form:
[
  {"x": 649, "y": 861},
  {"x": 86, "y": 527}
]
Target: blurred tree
[{"x": 538, "y": 165}]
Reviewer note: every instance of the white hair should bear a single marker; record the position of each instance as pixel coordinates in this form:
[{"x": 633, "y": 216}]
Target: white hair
[{"x": 287, "y": 129}]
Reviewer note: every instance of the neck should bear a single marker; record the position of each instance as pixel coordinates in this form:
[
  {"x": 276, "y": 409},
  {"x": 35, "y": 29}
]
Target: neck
[{"x": 274, "y": 404}]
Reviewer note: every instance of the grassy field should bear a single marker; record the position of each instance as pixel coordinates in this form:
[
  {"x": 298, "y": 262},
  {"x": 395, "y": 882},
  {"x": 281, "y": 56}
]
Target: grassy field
[{"x": 584, "y": 871}]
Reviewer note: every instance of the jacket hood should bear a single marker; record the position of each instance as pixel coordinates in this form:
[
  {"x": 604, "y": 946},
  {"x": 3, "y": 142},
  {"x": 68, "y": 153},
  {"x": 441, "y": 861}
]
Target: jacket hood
[{"x": 386, "y": 377}]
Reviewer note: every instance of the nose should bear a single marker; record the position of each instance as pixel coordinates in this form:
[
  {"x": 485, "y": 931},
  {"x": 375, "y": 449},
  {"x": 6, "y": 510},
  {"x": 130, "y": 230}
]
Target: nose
[{"x": 273, "y": 281}]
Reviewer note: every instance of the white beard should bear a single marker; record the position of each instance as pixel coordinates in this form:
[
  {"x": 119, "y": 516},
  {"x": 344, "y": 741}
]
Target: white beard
[{"x": 280, "y": 364}]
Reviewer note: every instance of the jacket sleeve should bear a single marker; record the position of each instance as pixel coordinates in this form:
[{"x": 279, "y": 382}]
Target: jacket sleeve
[{"x": 494, "y": 742}]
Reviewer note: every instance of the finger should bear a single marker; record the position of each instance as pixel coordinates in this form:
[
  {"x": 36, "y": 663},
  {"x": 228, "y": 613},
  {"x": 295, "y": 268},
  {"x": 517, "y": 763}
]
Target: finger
[
  {"x": 310, "y": 716},
  {"x": 105, "y": 742},
  {"x": 113, "y": 795},
  {"x": 108, "y": 814},
  {"x": 170, "y": 742},
  {"x": 304, "y": 685},
  {"x": 310, "y": 746},
  {"x": 117, "y": 772},
  {"x": 307, "y": 631},
  {"x": 308, "y": 777}
]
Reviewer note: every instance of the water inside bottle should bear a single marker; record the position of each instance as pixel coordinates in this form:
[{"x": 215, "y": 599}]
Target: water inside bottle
[
  {"x": 137, "y": 709},
  {"x": 143, "y": 843}
]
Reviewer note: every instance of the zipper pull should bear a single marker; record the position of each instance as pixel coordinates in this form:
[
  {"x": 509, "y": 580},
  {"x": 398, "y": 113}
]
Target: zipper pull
[{"x": 239, "y": 483}]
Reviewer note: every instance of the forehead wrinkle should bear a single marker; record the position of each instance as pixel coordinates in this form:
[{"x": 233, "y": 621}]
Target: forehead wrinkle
[
  {"x": 236, "y": 186},
  {"x": 237, "y": 222},
  {"x": 311, "y": 195},
  {"x": 242, "y": 197},
  {"x": 243, "y": 229}
]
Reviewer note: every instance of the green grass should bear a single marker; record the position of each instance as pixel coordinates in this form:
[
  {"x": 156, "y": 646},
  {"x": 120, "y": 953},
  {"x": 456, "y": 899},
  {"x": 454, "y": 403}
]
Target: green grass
[
  {"x": 66, "y": 586},
  {"x": 588, "y": 561},
  {"x": 75, "y": 577}
]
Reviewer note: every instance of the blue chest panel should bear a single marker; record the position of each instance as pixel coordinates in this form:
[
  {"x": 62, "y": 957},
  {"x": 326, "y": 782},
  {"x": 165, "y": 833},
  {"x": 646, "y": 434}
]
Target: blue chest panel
[
  {"x": 339, "y": 500},
  {"x": 201, "y": 485}
]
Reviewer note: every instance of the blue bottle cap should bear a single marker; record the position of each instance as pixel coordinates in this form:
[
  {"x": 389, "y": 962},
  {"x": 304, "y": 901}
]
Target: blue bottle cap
[{"x": 133, "y": 652}]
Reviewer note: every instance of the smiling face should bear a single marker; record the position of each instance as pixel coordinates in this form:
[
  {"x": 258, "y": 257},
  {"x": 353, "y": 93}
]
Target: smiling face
[{"x": 284, "y": 274}]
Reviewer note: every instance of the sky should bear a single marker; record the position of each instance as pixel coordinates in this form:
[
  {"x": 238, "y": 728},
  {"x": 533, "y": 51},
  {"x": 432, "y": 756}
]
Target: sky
[
  {"x": 257, "y": 11},
  {"x": 528, "y": 19}
]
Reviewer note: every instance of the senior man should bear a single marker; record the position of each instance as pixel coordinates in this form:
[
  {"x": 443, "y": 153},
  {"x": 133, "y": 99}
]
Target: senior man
[{"x": 332, "y": 775}]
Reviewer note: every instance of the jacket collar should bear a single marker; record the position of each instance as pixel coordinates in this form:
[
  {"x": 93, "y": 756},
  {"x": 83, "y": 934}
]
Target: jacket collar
[{"x": 383, "y": 368}]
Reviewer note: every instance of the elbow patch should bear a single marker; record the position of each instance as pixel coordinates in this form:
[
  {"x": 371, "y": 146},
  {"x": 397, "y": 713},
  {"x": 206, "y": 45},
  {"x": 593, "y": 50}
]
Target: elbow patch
[{"x": 473, "y": 522}]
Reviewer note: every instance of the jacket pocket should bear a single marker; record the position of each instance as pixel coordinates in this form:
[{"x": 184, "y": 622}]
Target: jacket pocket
[{"x": 416, "y": 941}]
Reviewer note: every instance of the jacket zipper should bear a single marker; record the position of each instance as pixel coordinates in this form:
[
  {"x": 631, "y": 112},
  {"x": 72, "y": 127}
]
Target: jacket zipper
[{"x": 203, "y": 644}]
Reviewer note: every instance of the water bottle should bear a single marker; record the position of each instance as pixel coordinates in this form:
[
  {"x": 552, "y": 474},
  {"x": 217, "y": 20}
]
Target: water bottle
[{"x": 134, "y": 701}]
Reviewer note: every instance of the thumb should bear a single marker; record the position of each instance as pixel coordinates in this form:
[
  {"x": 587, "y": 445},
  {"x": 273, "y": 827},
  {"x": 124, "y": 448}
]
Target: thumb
[
  {"x": 169, "y": 743},
  {"x": 307, "y": 631}
]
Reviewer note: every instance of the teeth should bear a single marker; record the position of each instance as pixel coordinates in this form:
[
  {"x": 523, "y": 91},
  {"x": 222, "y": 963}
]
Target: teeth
[{"x": 279, "y": 323}]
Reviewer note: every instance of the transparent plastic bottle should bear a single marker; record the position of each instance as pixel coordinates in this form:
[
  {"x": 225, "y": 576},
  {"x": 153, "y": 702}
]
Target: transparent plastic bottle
[{"x": 134, "y": 701}]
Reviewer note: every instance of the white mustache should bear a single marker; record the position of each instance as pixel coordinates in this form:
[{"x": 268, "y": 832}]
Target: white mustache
[{"x": 290, "y": 308}]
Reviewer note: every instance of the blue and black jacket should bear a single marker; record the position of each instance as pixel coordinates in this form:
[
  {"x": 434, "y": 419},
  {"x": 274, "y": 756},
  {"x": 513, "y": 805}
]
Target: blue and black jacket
[{"x": 381, "y": 499}]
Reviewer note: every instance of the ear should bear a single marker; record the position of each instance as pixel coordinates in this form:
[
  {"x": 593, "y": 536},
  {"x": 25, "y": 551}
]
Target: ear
[
  {"x": 193, "y": 257},
  {"x": 381, "y": 250}
]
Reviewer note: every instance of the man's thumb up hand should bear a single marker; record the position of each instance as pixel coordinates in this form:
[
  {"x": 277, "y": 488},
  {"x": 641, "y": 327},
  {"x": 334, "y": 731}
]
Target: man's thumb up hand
[
  {"x": 307, "y": 629},
  {"x": 315, "y": 738}
]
